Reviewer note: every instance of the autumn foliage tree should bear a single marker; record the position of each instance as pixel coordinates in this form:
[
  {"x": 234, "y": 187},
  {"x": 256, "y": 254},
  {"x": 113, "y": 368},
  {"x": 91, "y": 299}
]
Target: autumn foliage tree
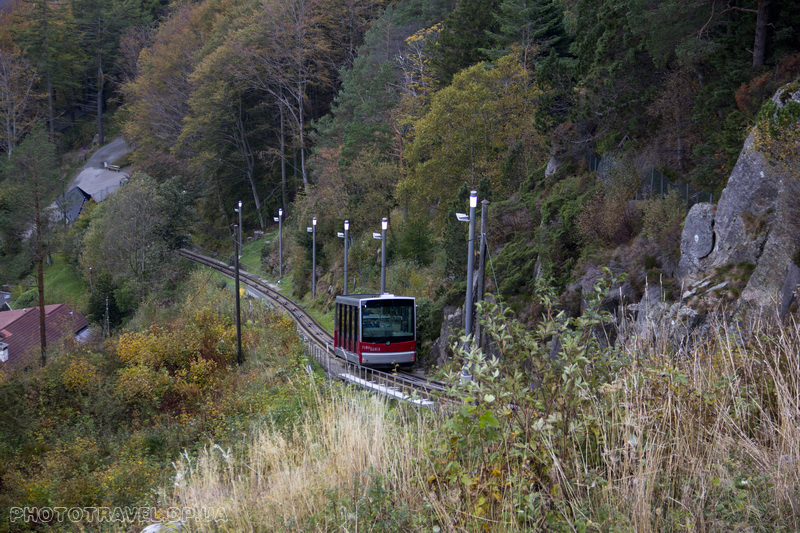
[{"x": 471, "y": 128}]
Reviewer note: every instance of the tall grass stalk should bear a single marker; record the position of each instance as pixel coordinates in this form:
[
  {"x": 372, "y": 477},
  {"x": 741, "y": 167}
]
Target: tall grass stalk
[
  {"x": 704, "y": 441},
  {"x": 286, "y": 478}
]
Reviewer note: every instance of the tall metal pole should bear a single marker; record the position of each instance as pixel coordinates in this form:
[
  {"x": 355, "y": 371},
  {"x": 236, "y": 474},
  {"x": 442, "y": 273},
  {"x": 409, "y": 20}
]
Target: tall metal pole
[
  {"x": 239, "y": 358},
  {"x": 314, "y": 257},
  {"x": 280, "y": 243},
  {"x": 241, "y": 242},
  {"x": 346, "y": 251},
  {"x": 91, "y": 282},
  {"x": 473, "y": 203},
  {"x": 384, "y": 227},
  {"x": 481, "y": 264}
]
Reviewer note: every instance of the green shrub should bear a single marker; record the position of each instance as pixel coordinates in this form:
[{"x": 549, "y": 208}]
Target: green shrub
[
  {"x": 414, "y": 240},
  {"x": 28, "y": 298},
  {"x": 662, "y": 221}
]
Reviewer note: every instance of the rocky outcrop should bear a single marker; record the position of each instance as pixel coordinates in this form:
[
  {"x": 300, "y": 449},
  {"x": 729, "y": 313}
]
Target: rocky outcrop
[
  {"x": 553, "y": 164},
  {"x": 452, "y": 323},
  {"x": 756, "y": 223},
  {"x": 659, "y": 323},
  {"x": 165, "y": 527},
  {"x": 697, "y": 241}
]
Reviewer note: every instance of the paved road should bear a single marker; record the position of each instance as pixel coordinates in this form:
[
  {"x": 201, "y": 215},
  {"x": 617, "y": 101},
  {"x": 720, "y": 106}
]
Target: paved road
[{"x": 94, "y": 178}]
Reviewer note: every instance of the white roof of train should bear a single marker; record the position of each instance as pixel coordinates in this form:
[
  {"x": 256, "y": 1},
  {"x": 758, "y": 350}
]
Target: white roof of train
[{"x": 356, "y": 299}]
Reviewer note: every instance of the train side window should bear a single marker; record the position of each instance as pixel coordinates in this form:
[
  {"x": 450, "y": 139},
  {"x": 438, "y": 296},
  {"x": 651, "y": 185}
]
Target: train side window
[
  {"x": 339, "y": 322},
  {"x": 349, "y": 329},
  {"x": 350, "y": 320},
  {"x": 346, "y": 327}
]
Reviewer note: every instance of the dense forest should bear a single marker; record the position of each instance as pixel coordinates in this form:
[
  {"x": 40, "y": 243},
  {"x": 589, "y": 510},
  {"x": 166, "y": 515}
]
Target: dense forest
[
  {"x": 591, "y": 127},
  {"x": 359, "y": 110}
]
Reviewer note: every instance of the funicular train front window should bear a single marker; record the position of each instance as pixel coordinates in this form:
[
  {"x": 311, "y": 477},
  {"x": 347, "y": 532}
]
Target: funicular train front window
[{"x": 388, "y": 321}]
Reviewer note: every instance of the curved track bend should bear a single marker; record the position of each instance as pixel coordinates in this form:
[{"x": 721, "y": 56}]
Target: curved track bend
[{"x": 319, "y": 343}]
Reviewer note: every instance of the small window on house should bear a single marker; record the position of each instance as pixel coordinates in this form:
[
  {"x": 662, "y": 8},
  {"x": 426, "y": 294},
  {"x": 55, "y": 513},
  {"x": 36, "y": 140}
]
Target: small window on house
[{"x": 3, "y": 352}]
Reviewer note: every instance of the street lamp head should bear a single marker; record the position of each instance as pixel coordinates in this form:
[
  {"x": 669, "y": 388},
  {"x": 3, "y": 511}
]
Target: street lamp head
[
  {"x": 280, "y": 212},
  {"x": 384, "y": 223},
  {"x": 462, "y": 217},
  {"x": 314, "y": 221},
  {"x": 240, "y": 204},
  {"x": 473, "y": 199},
  {"x": 346, "y": 225}
]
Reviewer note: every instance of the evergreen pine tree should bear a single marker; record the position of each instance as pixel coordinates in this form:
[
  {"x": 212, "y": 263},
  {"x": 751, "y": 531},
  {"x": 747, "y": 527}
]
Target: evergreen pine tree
[
  {"x": 465, "y": 37},
  {"x": 535, "y": 25},
  {"x": 104, "y": 287}
]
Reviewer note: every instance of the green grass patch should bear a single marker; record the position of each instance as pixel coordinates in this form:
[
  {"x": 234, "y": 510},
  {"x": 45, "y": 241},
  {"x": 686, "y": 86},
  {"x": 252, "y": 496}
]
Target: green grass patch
[
  {"x": 251, "y": 253},
  {"x": 325, "y": 319},
  {"x": 62, "y": 284}
]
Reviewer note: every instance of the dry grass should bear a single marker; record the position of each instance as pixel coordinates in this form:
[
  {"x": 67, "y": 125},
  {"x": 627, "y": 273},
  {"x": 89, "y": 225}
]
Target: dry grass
[
  {"x": 286, "y": 479},
  {"x": 708, "y": 441},
  {"x": 705, "y": 442}
]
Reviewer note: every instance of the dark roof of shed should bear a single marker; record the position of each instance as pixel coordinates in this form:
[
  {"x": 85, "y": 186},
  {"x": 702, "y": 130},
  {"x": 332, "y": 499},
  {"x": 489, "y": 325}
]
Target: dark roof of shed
[
  {"x": 72, "y": 202},
  {"x": 20, "y": 329}
]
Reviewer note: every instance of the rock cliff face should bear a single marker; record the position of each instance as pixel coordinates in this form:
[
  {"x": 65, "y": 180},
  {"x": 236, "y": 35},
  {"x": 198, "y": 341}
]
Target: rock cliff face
[{"x": 755, "y": 228}]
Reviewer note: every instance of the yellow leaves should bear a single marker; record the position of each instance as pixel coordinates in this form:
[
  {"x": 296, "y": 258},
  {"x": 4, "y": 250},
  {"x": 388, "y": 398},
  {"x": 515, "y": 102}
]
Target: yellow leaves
[
  {"x": 139, "y": 383},
  {"x": 80, "y": 375},
  {"x": 469, "y": 129},
  {"x": 181, "y": 360}
]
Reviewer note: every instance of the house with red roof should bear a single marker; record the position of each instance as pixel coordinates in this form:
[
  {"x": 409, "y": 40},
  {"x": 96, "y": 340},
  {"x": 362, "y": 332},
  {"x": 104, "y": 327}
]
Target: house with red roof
[{"x": 19, "y": 331}]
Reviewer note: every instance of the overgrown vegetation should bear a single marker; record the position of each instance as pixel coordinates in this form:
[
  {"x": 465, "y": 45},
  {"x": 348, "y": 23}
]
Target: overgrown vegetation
[
  {"x": 553, "y": 110},
  {"x": 557, "y": 431},
  {"x": 101, "y": 424}
]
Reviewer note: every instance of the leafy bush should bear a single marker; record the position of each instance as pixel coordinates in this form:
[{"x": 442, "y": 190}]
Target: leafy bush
[
  {"x": 608, "y": 220},
  {"x": 522, "y": 410},
  {"x": 414, "y": 240},
  {"x": 662, "y": 221},
  {"x": 28, "y": 298}
]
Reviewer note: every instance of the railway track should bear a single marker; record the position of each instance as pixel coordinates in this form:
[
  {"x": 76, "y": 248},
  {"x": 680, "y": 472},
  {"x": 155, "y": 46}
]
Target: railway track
[{"x": 399, "y": 385}]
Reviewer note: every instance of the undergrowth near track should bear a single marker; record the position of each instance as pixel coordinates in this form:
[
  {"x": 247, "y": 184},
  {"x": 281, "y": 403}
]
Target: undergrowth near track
[{"x": 566, "y": 435}]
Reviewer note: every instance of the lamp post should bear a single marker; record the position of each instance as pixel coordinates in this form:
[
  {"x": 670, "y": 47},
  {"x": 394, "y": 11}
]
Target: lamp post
[
  {"x": 473, "y": 203},
  {"x": 239, "y": 358},
  {"x": 346, "y": 238},
  {"x": 382, "y": 237},
  {"x": 313, "y": 231},
  {"x": 279, "y": 220},
  {"x": 239, "y": 210},
  {"x": 481, "y": 264},
  {"x": 91, "y": 282},
  {"x": 384, "y": 227}
]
